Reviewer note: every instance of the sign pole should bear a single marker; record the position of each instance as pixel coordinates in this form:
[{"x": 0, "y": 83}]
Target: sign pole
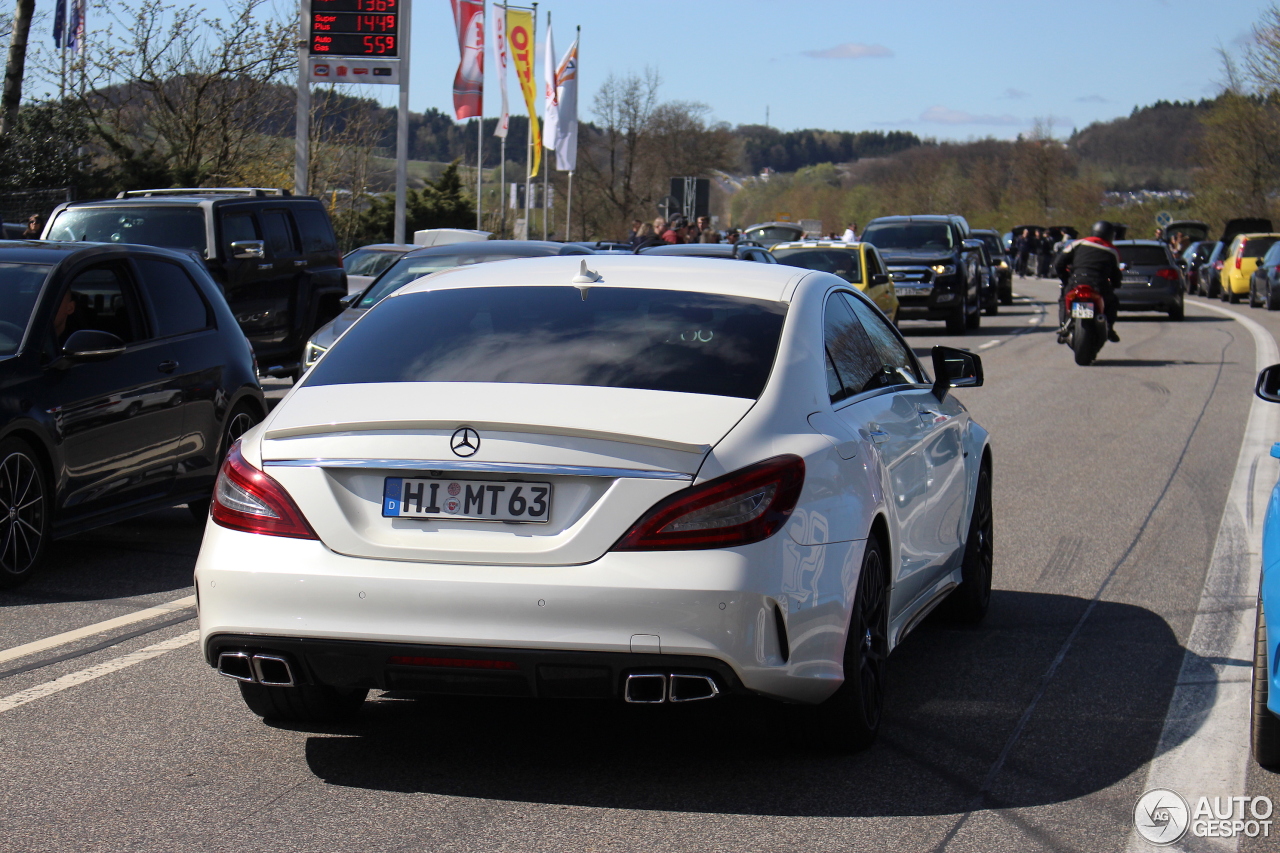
[
  {"x": 302, "y": 127},
  {"x": 402, "y": 124}
]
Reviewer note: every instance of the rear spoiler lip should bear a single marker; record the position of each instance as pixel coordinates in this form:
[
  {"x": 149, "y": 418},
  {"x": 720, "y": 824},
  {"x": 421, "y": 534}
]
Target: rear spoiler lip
[{"x": 488, "y": 426}]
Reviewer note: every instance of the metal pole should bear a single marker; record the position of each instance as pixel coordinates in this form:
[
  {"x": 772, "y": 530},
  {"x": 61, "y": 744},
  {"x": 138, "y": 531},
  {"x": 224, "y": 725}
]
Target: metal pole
[
  {"x": 479, "y": 167},
  {"x": 528, "y": 168},
  {"x": 568, "y": 209},
  {"x": 502, "y": 180},
  {"x": 302, "y": 126},
  {"x": 402, "y": 125},
  {"x": 546, "y": 172}
]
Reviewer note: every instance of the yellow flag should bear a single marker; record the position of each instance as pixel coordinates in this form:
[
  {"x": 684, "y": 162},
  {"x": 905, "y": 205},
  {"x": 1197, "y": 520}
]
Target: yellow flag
[{"x": 520, "y": 43}]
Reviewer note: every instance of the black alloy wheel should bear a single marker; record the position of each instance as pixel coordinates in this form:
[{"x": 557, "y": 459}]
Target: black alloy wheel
[
  {"x": 969, "y": 602},
  {"x": 1264, "y": 726},
  {"x": 24, "y": 513},
  {"x": 851, "y": 717},
  {"x": 241, "y": 420}
]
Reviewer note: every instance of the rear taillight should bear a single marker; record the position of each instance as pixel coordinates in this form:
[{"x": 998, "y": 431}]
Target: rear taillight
[
  {"x": 246, "y": 499},
  {"x": 737, "y": 509},
  {"x": 1239, "y": 260},
  {"x": 1167, "y": 272}
]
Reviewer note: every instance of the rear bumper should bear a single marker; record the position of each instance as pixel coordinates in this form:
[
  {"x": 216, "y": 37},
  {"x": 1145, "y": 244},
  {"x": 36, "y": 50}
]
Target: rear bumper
[
  {"x": 738, "y": 613},
  {"x": 1147, "y": 299}
]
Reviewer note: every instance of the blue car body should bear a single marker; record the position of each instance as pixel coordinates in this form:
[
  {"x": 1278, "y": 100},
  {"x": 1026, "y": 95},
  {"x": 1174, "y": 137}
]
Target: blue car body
[{"x": 1269, "y": 592}]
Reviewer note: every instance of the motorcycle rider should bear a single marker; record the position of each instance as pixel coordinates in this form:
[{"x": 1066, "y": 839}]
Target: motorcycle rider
[{"x": 1095, "y": 261}]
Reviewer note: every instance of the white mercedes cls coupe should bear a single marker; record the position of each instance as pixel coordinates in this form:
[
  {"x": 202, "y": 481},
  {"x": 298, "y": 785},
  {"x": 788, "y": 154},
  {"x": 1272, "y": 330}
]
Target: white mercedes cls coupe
[{"x": 654, "y": 479}]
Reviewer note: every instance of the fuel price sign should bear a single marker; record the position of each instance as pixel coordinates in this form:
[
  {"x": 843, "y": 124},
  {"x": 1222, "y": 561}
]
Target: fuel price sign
[{"x": 360, "y": 28}]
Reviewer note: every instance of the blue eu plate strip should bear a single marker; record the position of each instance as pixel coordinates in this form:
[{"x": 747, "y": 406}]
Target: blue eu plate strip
[{"x": 391, "y": 497}]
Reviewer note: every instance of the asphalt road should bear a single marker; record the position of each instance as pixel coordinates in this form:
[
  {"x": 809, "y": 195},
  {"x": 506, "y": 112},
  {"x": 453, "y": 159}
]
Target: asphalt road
[{"x": 1033, "y": 732}]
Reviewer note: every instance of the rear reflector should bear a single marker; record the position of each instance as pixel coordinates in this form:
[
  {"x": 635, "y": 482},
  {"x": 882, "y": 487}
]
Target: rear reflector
[{"x": 455, "y": 663}]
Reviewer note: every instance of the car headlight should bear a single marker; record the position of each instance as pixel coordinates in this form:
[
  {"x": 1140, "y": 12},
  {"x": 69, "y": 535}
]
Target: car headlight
[
  {"x": 943, "y": 269},
  {"x": 312, "y": 354},
  {"x": 1004, "y": 265}
]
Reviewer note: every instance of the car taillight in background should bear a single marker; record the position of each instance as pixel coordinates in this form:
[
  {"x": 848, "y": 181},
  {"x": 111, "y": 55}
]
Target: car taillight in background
[
  {"x": 1167, "y": 272},
  {"x": 1217, "y": 265},
  {"x": 745, "y": 506},
  {"x": 246, "y": 499}
]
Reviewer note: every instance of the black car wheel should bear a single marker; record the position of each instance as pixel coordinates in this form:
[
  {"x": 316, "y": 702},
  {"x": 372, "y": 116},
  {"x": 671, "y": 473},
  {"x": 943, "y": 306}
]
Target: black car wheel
[
  {"x": 1270, "y": 301},
  {"x": 973, "y": 319},
  {"x": 1178, "y": 311},
  {"x": 959, "y": 321},
  {"x": 1006, "y": 293},
  {"x": 1264, "y": 726},
  {"x": 24, "y": 512},
  {"x": 241, "y": 420},
  {"x": 969, "y": 602},
  {"x": 851, "y": 717}
]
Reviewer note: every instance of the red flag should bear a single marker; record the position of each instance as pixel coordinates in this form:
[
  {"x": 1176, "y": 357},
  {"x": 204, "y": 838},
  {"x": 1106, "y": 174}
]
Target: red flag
[{"x": 468, "y": 83}]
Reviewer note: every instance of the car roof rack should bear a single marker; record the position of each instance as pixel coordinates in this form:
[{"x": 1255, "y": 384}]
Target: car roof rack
[{"x": 256, "y": 192}]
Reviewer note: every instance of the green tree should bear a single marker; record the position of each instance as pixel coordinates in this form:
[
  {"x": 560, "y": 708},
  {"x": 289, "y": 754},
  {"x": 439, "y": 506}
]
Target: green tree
[{"x": 443, "y": 203}]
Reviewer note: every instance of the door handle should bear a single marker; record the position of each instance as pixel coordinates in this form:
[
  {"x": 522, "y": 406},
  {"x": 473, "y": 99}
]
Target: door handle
[
  {"x": 879, "y": 436},
  {"x": 168, "y": 366}
]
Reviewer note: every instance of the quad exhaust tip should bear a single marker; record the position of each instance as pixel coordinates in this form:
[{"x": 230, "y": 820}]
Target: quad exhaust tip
[
  {"x": 271, "y": 670},
  {"x": 655, "y": 688}
]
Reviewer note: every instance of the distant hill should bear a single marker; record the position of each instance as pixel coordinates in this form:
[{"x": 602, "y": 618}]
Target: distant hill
[{"x": 1154, "y": 147}]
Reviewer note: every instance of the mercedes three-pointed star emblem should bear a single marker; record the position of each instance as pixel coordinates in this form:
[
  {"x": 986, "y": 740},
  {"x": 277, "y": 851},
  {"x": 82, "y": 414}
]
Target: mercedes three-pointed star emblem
[{"x": 465, "y": 441}]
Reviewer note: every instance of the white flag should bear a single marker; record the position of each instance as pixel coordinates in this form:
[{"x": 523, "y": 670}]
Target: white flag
[
  {"x": 567, "y": 126},
  {"x": 551, "y": 106},
  {"x": 500, "y": 48}
]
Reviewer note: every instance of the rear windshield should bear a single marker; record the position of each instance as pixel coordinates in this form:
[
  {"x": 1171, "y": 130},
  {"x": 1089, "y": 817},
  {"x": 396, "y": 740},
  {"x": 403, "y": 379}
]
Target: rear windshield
[
  {"x": 406, "y": 270},
  {"x": 1256, "y": 247},
  {"x": 915, "y": 235},
  {"x": 992, "y": 243},
  {"x": 1144, "y": 256},
  {"x": 774, "y": 234},
  {"x": 19, "y": 287},
  {"x": 660, "y": 340},
  {"x": 842, "y": 262},
  {"x": 369, "y": 261},
  {"x": 170, "y": 227}
]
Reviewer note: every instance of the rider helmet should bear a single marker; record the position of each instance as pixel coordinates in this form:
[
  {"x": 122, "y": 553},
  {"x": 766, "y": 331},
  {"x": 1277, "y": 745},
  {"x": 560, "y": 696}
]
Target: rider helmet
[{"x": 1103, "y": 230}]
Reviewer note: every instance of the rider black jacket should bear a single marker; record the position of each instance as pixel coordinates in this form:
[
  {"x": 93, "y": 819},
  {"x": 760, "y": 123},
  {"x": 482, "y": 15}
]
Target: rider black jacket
[{"x": 1091, "y": 260}]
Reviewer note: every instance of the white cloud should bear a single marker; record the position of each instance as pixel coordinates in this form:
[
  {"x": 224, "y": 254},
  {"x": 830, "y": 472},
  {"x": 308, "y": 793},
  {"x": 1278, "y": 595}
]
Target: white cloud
[
  {"x": 1015, "y": 94},
  {"x": 945, "y": 115},
  {"x": 851, "y": 50}
]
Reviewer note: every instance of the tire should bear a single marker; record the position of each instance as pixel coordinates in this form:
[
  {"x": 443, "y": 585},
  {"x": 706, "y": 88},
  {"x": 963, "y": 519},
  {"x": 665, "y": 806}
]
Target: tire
[
  {"x": 974, "y": 320},
  {"x": 993, "y": 308},
  {"x": 303, "y": 703},
  {"x": 850, "y": 719},
  {"x": 242, "y": 418},
  {"x": 1271, "y": 302},
  {"x": 26, "y": 500},
  {"x": 1084, "y": 343},
  {"x": 1006, "y": 295},
  {"x": 1178, "y": 312},
  {"x": 958, "y": 322},
  {"x": 1264, "y": 726},
  {"x": 1231, "y": 296},
  {"x": 969, "y": 602}
]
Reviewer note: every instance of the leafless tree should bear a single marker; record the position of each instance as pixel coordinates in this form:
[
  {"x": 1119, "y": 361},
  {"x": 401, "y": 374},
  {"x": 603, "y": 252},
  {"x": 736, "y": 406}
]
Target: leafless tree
[{"x": 15, "y": 67}]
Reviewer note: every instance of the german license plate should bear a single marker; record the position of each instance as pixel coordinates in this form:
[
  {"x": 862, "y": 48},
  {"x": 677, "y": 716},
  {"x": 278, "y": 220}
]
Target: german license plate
[
  {"x": 1082, "y": 310},
  {"x": 904, "y": 290},
  {"x": 1134, "y": 279},
  {"x": 467, "y": 500}
]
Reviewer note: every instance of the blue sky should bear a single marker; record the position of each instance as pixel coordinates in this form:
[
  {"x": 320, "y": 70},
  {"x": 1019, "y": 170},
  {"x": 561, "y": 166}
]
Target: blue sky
[{"x": 940, "y": 69}]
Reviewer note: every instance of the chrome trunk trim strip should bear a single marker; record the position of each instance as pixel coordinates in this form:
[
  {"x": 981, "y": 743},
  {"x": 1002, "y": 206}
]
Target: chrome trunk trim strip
[{"x": 479, "y": 467}]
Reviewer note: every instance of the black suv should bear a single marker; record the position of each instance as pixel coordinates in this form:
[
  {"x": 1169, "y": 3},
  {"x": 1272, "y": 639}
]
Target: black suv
[
  {"x": 936, "y": 275},
  {"x": 274, "y": 255}
]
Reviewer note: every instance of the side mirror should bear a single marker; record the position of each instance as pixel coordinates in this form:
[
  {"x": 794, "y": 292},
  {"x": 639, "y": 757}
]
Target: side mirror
[
  {"x": 90, "y": 345},
  {"x": 880, "y": 278},
  {"x": 956, "y": 368},
  {"x": 248, "y": 249},
  {"x": 1268, "y": 387},
  {"x": 350, "y": 299},
  {"x": 971, "y": 245}
]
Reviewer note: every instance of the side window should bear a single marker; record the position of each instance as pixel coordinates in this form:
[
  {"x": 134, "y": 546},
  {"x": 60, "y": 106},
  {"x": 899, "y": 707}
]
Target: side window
[
  {"x": 176, "y": 304},
  {"x": 315, "y": 230},
  {"x": 896, "y": 365},
  {"x": 850, "y": 353},
  {"x": 278, "y": 232},
  {"x": 98, "y": 298},
  {"x": 237, "y": 227},
  {"x": 873, "y": 263}
]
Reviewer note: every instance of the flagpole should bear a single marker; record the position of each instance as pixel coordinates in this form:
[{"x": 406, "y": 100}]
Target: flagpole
[
  {"x": 546, "y": 173},
  {"x": 479, "y": 167},
  {"x": 502, "y": 167},
  {"x": 528, "y": 167},
  {"x": 568, "y": 207}
]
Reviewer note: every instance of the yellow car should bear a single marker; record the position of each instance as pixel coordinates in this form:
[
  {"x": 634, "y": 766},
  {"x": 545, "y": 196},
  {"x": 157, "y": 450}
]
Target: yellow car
[
  {"x": 859, "y": 264},
  {"x": 1241, "y": 260}
]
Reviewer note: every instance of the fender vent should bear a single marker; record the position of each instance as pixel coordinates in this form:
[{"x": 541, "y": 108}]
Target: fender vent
[{"x": 784, "y": 646}]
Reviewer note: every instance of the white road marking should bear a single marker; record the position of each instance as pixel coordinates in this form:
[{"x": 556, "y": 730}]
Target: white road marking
[
  {"x": 989, "y": 344},
  {"x": 1035, "y": 320},
  {"x": 1204, "y": 747},
  {"x": 97, "y": 628},
  {"x": 31, "y": 694}
]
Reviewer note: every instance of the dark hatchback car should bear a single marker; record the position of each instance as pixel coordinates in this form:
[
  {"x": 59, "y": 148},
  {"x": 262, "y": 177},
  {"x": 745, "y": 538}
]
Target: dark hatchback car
[
  {"x": 936, "y": 276},
  {"x": 1150, "y": 278},
  {"x": 1196, "y": 255},
  {"x": 1001, "y": 269},
  {"x": 1264, "y": 284},
  {"x": 740, "y": 251},
  {"x": 125, "y": 379},
  {"x": 423, "y": 262},
  {"x": 274, "y": 255}
]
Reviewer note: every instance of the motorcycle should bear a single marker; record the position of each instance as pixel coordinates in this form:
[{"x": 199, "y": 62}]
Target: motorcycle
[{"x": 1085, "y": 328}]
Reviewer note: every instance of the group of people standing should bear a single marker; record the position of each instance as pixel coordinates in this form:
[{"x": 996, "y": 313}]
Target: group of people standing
[
  {"x": 677, "y": 230},
  {"x": 1035, "y": 248}
]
